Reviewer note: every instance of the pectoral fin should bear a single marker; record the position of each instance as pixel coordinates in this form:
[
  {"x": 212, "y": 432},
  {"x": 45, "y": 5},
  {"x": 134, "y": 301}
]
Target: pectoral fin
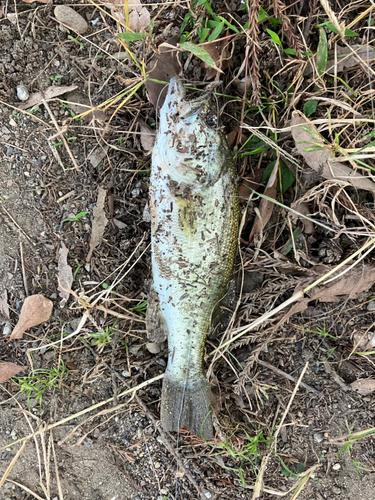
[{"x": 156, "y": 325}]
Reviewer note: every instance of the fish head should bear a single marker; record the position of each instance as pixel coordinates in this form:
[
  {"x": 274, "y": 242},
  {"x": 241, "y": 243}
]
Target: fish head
[{"x": 190, "y": 139}]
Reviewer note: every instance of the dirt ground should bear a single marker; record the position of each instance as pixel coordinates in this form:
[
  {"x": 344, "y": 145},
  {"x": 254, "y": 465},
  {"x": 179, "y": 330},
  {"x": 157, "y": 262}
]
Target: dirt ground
[{"x": 116, "y": 450}]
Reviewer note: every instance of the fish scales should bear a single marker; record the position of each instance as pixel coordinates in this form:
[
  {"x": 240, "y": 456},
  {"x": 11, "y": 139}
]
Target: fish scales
[{"x": 194, "y": 225}]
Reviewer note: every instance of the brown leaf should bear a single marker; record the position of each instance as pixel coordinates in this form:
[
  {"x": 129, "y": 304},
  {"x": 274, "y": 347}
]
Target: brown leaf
[
  {"x": 243, "y": 85},
  {"x": 41, "y": 1},
  {"x": 265, "y": 206},
  {"x": 97, "y": 155},
  {"x": 363, "y": 386},
  {"x": 4, "y": 308},
  {"x": 364, "y": 341},
  {"x": 37, "y": 97},
  {"x": 253, "y": 181},
  {"x": 35, "y": 310},
  {"x": 232, "y": 137},
  {"x": 346, "y": 59},
  {"x": 220, "y": 56},
  {"x": 65, "y": 274},
  {"x": 148, "y": 136},
  {"x": 215, "y": 54},
  {"x": 80, "y": 103},
  {"x": 162, "y": 67},
  {"x": 306, "y": 136},
  {"x": 347, "y": 286},
  {"x": 99, "y": 222},
  {"x": 8, "y": 370},
  {"x": 139, "y": 16},
  {"x": 303, "y": 209}
]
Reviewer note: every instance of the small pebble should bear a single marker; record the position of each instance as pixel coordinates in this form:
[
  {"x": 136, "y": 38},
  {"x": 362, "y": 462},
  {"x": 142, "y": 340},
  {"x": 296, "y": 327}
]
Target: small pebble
[
  {"x": 120, "y": 56},
  {"x": 22, "y": 93},
  {"x": 371, "y": 306},
  {"x": 157, "y": 465},
  {"x": 336, "y": 467},
  {"x": 12, "y": 122},
  {"x": 71, "y": 18},
  {"x": 153, "y": 347},
  {"x": 318, "y": 438}
]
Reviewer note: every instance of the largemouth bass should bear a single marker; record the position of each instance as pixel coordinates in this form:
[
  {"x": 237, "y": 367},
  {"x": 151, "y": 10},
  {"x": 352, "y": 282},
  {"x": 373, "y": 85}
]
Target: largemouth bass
[{"x": 194, "y": 224}]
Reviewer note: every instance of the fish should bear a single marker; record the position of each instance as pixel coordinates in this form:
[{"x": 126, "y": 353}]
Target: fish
[{"x": 194, "y": 209}]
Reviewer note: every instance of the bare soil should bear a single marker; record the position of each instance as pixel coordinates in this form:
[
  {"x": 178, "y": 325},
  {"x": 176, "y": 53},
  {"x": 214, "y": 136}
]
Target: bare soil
[{"x": 117, "y": 451}]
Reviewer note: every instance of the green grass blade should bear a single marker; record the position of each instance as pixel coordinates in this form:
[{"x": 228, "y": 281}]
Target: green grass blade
[{"x": 322, "y": 52}]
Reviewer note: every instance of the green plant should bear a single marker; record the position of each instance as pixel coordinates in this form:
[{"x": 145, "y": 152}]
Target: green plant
[
  {"x": 285, "y": 178},
  {"x": 72, "y": 113},
  {"x": 140, "y": 308},
  {"x": 102, "y": 338},
  {"x": 76, "y": 271},
  {"x": 276, "y": 39},
  {"x": 56, "y": 78},
  {"x": 70, "y": 139},
  {"x": 81, "y": 46},
  {"x": 250, "y": 452},
  {"x": 75, "y": 218},
  {"x": 322, "y": 332},
  {"x": 40, "y": 380},
  {"x": 309, "y": 107}
]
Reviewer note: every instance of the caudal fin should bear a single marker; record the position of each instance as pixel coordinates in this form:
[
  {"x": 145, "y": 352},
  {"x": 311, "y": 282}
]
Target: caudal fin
[{"x": 186, "y": 405}]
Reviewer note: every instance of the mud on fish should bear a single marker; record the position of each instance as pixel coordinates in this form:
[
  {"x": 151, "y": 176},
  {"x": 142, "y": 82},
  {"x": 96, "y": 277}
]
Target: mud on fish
[{"x": 194, "y": 224}]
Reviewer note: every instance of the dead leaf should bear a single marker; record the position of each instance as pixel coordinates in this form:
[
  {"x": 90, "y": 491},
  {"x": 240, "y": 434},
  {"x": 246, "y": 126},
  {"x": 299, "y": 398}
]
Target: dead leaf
[
  {"x": 96, "y": 156},
  {"x": 363, "y": 386},
  {"x": 4, "y": 308},
  {"x": 219, "y": 54},
  {"x": 80, "y": 103},
  {"x": 35, "y": 310},
  {"x": 307, "y": 137},
  {"x": 99, "y": 222},
  {"x": 65, "y": 274},
  {"x": 120, "y": 224},
  {"x": 232, "y": 137},
  {"x": 347, "y": 58},
  {"x": 265, "y": 206},
  {"x": 253, "y": 181},
  {"x": 243, "y": 85},
  {"x": 8, "y": 370},
  {"x": 139, "y": 16},
  {"x": 37, "y": 97},
  {"x": 162, "y": 67},
  {"x": 347, "y": 286},
  {"x": 364, "y": 341},
  {"x": 148, "y": 136},
  {"x": 41, "y": 1},
  {"x": 303, "y": 209}
]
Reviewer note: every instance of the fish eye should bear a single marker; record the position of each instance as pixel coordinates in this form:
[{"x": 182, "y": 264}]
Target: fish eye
[{"x": 211, "y": 119}]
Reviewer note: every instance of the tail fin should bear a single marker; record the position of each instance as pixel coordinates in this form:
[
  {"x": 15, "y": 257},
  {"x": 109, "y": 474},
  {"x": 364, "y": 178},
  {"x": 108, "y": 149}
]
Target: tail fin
[{"x": 186, "y": 405}]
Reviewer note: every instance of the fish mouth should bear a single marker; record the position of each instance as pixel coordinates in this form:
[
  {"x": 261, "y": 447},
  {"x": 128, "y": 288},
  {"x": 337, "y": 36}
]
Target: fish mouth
[{"x": 176, "y": 101}]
